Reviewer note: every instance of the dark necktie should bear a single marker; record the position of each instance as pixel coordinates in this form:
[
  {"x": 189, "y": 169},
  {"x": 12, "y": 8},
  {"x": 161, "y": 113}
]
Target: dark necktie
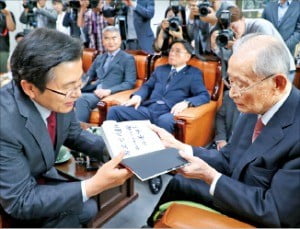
[
  {"x": 257, "y": 129},
  {"x": 51, "y": 125},
  {"x": 107, "y": 62},
  {"x": 170, "y": 77}
]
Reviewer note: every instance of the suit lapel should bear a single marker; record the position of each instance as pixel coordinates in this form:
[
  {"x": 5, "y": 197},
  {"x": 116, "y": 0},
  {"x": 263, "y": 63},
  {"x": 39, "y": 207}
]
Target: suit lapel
[
  {"x": 102, "y": 62},
  {"x": 274, "y": 12},
  {"x": 178, "y": 77},
  {"x": 271, "y": 134},
  {"x": 36, "y": 126}
]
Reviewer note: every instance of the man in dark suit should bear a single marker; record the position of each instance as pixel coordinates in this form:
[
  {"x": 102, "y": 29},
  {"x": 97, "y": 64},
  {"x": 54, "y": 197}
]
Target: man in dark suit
[
  {"x": 37, "y": 118},
  {"x": 285, "y": 16},
  {"x": 170, "y": 89},
  {"x": 226, "y": 119},
  {"x": 111, "y": 72},
  {"x": 139, "y": 32},
  {"x": 256, "y": 176}
]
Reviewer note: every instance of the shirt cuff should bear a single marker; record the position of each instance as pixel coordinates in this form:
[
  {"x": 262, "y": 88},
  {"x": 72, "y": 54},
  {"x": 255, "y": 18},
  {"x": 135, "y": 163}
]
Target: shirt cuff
[
  {"x": 214, "y": 183},
  {"x": 83, "y": 191},
  {"x": 133, "y": 5},
  {"x": 189, "y": 150}
]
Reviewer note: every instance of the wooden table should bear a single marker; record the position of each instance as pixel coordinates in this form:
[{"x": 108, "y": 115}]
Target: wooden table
[{"x": 109, "y": 202}]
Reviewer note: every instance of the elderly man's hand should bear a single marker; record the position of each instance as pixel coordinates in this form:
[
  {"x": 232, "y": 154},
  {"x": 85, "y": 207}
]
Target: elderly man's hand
[
  {"x": 101, "y": 93},
  {"x": 167, "y": 138},
  {"x": 178, "y": 107},
  {"x": 197, "y": 169},
  {"x": 108, "y": 176}
]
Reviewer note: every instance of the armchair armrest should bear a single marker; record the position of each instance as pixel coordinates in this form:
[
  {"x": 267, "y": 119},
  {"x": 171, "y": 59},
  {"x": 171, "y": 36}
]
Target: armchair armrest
[
  {"x": 184, "y": 216},
  {"x": 189, "y": 121},
  {"x": 112, "y": 100}
]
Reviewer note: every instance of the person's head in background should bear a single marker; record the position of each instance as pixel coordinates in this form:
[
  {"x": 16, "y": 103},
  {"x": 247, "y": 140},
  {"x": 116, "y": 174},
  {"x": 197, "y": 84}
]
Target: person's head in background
[
  {"x": 169, "y": 13},
  {"x": 41, "y": 3},
  {"x": 19, "y": 36},
  {"x": 111, "y": 38},
  {"x": 237, "y": 22},
  {"x": 180, "y": 53},
  {"x": 47, "y": 66},
  {"x": 258, "y": 70},
  {"x": 58, "y": 6}
]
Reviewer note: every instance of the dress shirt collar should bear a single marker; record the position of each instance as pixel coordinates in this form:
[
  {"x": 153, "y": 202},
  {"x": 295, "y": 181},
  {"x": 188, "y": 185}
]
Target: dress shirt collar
[
  {"x": 44, "y": 112},
  {"x": 266, "y": 117},
  {"x": 113, "y": 54},
  {"x": 178, "y": 69}
]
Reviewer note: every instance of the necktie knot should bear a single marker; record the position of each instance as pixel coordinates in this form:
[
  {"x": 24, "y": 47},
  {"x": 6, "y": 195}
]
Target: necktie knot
[
  {"x": 51, "y": 125},
  {"x": 257, "y": 129}
]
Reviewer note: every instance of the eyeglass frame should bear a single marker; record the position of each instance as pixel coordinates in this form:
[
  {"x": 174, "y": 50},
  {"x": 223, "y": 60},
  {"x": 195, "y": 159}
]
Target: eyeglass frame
[
  {"x": 71, "y": 91},
  {"x": 178, "y": 51},
  {"x": 242, "y": 90}
]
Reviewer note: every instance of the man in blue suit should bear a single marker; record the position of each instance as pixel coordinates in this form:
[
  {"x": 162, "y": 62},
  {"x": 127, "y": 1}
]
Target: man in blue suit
[
  {"x": 256, "y": 176},
  {"x": 111, "y": 72},
  {"x": 139, "y": 32},
  {"x": 170, "y": 89},
  {"x": 285, "y": 16},
  {"x": 37, "y": 118}
]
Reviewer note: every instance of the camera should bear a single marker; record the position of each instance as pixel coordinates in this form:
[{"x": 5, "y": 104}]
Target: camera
[
  {"x": 74, "y": 4},
  {"x": 203, "y": 8},
  {"x": 225, "y": 34},
  {"x": 174, "y": 23},
  {"x": 94, "y": 4},
  {"x": 2, "y": 5},
  {"x": 30, "y": 5},
  {"x": 115, "y": 8}
]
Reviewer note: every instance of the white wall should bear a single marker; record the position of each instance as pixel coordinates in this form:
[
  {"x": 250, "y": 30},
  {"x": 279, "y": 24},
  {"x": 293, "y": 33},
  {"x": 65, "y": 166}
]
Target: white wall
[{"x": 16, "y": 7}]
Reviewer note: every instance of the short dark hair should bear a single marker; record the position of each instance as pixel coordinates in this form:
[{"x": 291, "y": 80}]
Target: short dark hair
[
  {"x": 39, "y": 52},
  {"x": 188, "y": 47},
  {"x": 19, "y": 34}
]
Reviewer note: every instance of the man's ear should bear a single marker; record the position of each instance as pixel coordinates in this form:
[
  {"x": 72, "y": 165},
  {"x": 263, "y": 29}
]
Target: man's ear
[
  {"x": 281, "y": 82},
  {"x": 29, "y": 89}
]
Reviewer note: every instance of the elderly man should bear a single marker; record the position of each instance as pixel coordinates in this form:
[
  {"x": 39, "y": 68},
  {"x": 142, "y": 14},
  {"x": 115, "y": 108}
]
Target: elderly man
[
  {"x": 111, "y": 72},
  {"x": 256, "y": 176},
  {"x": 37, "y": 118}
]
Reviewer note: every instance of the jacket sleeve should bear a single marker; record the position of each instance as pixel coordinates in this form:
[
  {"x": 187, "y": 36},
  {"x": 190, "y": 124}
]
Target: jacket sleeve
[{"x": 147, "y": 11}]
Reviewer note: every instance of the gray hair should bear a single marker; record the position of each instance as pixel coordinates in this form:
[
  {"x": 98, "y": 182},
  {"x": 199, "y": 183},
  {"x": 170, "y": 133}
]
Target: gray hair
[
  {"x": 272, "y": 57},
  {"x": 112, "y": 29}
]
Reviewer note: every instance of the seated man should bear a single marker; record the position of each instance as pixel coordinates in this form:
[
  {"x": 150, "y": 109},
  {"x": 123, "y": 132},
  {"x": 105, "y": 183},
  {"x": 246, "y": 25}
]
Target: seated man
[
  {"x": 111, "y": 72},
  {"x": 255, "y": 177},
  {"x": 170, "y": 89},
  {"x": 37, "y": 118}
]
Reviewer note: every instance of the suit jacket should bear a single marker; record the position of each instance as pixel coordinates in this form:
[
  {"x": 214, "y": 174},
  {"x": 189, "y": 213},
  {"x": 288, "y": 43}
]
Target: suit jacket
[
  {"x": 143, "y": 14},
  {"x": 120, "y": 75},
  {"x": 261, "y": 181},
  {"x": 187, "y": 84},
  {"x": 226, "y": 118},
  {"x": 27, "y": 153},
  {"x": 289, "y": 27}
]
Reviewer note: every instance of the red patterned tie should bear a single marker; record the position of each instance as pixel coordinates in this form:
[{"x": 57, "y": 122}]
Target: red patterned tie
[
  {"x": 51, "y": 124},
  {"x": 257, "y": 129}
]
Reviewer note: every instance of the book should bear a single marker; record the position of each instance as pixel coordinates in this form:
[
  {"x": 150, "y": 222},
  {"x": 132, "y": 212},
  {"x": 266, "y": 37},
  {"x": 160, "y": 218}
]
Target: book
[{"x": 145, "y": 154}]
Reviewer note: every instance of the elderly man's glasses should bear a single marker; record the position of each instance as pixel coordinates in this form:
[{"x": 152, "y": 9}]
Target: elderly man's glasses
[{"x": 239, "y": 90}]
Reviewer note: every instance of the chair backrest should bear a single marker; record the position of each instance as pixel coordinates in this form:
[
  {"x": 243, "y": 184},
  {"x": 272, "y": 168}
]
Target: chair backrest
[
  {"x": 142, "y": 65},
  {"x": 210, "y": 69},
  {"x": 88, "y": 56}
]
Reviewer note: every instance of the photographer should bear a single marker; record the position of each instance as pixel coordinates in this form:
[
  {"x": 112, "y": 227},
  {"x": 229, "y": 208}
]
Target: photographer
[
  {"x": 240, "y": 27},
  {"x": 93, "y": 21},
  {"x": 169, "y": 30},
  {"x": 138, "y": 15},
  {"x": 37, "y": 14},
  {"x": 7, "y": 24}
]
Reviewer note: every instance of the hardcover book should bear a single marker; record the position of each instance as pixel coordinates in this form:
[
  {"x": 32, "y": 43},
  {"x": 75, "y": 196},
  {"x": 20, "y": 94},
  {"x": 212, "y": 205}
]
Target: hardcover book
[{"x": 145, "y": 154}]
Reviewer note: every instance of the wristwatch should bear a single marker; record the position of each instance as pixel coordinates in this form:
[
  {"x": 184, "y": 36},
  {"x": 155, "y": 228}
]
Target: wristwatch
[{"x": 188, "y": 103}]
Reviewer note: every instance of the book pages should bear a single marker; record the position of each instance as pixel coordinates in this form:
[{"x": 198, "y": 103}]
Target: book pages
[{"x": 132, "y": 137}]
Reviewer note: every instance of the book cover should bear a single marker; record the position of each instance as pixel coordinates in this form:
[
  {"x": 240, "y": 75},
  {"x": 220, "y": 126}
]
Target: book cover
[{"x": 145, "y": 155}]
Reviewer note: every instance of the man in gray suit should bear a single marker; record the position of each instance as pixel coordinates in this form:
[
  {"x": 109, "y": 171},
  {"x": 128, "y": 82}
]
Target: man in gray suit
[
  {"x": 111, "y": 72},
  {"x": 285, "y": 16},
  {"x": 37, "y": 118}
]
